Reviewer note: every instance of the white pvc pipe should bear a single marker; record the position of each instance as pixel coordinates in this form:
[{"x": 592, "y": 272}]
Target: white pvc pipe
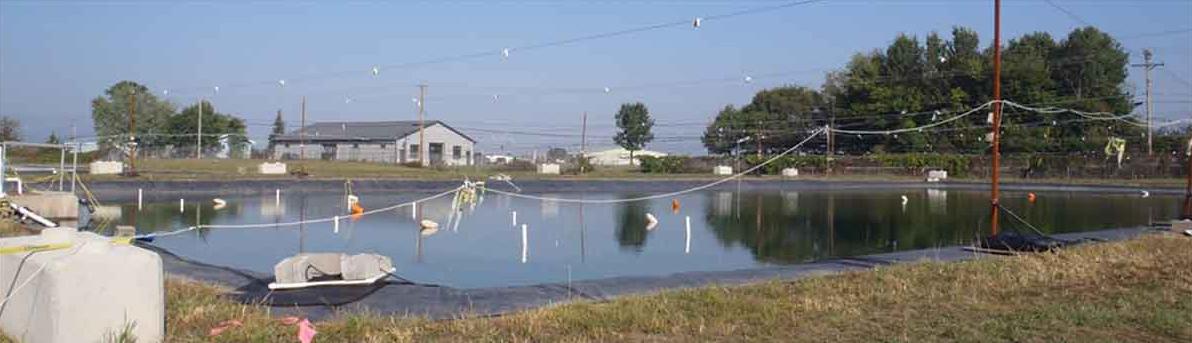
[
  {"x": 515, "y": 218},
  {"x": 140, "y": 198},
  {"x": 525, "y": 247},
  {"x": 687, "y": 248},
  {"x": 336, "y": 221},
  {"x": 414, "y": 211},
  {"x": 181, "y": 205},
  {"x": 26, "y": 212}
]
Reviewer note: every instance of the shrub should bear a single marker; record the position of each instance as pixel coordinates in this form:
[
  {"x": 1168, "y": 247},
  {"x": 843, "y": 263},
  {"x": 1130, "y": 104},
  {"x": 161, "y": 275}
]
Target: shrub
[
  {"x": 955, "y": 164},
  {"x": 663, "y": 165}
]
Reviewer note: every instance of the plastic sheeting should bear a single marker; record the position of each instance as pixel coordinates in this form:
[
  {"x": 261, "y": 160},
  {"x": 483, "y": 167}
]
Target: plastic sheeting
[{"x": 438, "y": 302}]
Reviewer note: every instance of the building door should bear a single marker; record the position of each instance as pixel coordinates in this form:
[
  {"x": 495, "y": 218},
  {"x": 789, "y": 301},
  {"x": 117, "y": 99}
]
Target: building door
[
  {"x": 329, "y": 151},
  {"x": 435, "y": 153}
]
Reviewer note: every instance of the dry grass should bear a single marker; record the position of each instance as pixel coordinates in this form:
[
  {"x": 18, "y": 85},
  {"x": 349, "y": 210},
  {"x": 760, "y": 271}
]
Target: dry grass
[{"x": 1126, "y": 291}]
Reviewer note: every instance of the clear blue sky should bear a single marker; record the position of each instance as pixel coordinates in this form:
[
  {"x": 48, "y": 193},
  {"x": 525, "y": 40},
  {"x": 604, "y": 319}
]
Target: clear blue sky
[{"x": 55, "y": 56}]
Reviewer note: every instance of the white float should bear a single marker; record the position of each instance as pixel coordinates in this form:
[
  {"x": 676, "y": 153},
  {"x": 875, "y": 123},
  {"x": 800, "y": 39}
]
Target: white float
[{"x": 86, "y": 289}]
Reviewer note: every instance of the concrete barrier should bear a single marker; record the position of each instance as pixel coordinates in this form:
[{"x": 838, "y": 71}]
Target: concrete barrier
[
  {"x": 52, "y": 205},
  {"x": 722, "y": 170},
  {"x": 937, "y": 175},
  {"x": 276, "y": 168},
  {"x": 790, "y": 172},
  {"x": 107, "y": 167},
  {"x": 548, "y": 168},
  {"x": 87, "y": 290}
]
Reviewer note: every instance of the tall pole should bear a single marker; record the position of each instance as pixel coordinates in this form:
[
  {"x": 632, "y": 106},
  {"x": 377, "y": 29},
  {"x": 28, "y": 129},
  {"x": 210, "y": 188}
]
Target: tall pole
[
  {"x": 132, "y": 133},
  {"x": 997, "y": 111},
  {"x": 199, "y": 136},
  {"x": 1188, "y": 190},
  {"x": 422, "y": 158},
  {"x": 302, "y": 132},
  {"x": 583, "y": 142},
  {"x": 1148, "y": 66}
]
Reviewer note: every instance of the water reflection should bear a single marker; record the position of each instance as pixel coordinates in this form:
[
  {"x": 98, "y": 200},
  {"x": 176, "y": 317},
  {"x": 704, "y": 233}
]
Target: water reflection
[{"x": 728, "y": 230}]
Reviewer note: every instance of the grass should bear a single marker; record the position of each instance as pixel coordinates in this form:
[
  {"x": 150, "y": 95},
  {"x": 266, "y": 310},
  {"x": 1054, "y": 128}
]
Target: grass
[
  {"x": 1125, "y": 291},
  {"x": 215, "y": 169}
]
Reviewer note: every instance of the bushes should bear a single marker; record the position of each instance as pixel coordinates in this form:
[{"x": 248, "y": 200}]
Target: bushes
[
  {"x": 789, "y": 161},
  {"x": 663, "y": 165},
  {"x": 954, "y": 164}
]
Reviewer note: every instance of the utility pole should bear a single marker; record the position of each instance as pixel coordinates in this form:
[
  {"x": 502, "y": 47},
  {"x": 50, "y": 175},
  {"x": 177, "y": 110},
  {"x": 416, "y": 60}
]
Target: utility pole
[
  {"x": 199, "y": 140},
  {"x": 583, "y": 142},
  {"x": 132, "y": 133},
  {"x": 1148, "y": 66},
  {"x": 997, "y": 111},
  {"x": 302, "y": 132},
  {"x": 422, "y": 158},
  {"x": 759, "y": 141}
]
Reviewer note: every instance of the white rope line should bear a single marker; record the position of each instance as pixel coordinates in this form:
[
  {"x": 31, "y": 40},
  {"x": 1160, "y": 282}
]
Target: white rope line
[
  {"x": 920, "y": 128},
  {"x": 1127, "y": 118},
  {"x": 663, "y": 195},
  {"x": 300, "y": 222}
]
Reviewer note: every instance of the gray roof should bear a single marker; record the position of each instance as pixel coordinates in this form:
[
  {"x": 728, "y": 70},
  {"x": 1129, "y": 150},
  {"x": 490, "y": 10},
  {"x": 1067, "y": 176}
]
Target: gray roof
[{"x": 361, "y": 131}]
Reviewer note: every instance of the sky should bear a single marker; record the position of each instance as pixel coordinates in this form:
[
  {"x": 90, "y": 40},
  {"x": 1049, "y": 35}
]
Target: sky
[{"x": 55, "y": 56}]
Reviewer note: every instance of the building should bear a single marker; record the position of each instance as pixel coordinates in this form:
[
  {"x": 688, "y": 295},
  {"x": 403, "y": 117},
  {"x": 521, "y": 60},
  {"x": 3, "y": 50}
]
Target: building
[
  {"x": 619, "y": 157},
  {"x": 385, "y": 141}
]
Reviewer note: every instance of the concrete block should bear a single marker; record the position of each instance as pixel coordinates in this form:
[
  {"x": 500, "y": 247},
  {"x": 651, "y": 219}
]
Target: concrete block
[
  {"x": 548, "y": 168},
  {"x": 937, "y": 175},
  {"x": 52, "y": 205},
  {"x": 722, "y": 170},
  {"x": 107, "y": 167},
  {"x": 790, "y": 172},
  {"x": 364, "y": 266},
  {"x": 276, "y": 168},
  {"x": 86, "y": 292},
  {"x": 303, "y": 267}
]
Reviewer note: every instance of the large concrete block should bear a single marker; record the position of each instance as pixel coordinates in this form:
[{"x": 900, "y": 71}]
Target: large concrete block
[
  {"x": 89, "y": 291},
  {"x": 267, "y": 168},
  {"x": 107, "y": 167},
  {"x": 722, "y": 170},
  {"x": 790, "y": 172},
  {"x": 52, "y": 205},
  {"x": 937, "y": 175},
  {"x": 548, "y": 168}
]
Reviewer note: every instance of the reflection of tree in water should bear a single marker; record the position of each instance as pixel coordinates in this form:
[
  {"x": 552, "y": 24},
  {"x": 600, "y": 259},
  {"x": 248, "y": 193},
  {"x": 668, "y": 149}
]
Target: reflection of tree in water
[
  {"x": 154, "y": 217},
  {"x": 821, "y": 225},
  {"x": 631, "y": 223}
]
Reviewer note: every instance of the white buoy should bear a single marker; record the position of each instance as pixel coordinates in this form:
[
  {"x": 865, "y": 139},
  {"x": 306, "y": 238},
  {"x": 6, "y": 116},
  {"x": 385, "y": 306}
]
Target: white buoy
[
  {"x": 651, "y": 221},
  {"x": 219, "y": 203},
  {"x": 1145, "y": 194},
  {"x": 687, "y": 246},
  {"x": 181, "y": 205},
  {"x": 140, "y": 198},
  {"x": 336, "y": 226},
  {"x": 525, "y": 240}
]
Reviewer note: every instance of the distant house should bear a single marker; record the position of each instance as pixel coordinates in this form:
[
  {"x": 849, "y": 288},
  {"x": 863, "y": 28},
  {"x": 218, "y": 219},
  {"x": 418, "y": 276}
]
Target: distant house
[
  {"x": 384, "y": 141},
  {"x": 620, "y": 157}
]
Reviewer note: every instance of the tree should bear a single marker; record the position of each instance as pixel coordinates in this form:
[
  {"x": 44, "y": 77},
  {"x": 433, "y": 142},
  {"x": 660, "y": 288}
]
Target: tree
[
  {"x": 775, "y": 117},
  {"x": 183, "y": 127},
  {"x": 279, "y": 129},
  {"x": 109, "y": 114},
  {"x": 635, "y": 124},
  {"x": 10, "y": 129},
  {"x": 53, "y": 139}
]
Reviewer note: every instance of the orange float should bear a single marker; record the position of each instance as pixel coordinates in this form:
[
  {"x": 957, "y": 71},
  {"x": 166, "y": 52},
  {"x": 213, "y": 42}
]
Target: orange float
[
  {"x": 1030, "y": 197},
  {"x": 675, "y": 206}
]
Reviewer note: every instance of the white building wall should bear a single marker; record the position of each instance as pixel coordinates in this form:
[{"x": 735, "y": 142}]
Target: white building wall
[
  {"x": 401, "y": 152},
  {"x": 439, "y": 134}
]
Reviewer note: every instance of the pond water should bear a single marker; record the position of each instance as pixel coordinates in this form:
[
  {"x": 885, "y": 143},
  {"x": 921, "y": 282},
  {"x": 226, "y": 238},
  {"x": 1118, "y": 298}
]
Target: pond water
[{"x": 729, "y": 229}]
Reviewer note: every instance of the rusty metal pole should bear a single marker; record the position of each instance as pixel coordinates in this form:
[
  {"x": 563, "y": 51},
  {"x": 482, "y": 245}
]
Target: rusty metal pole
[{"x": 997, "y": 112}]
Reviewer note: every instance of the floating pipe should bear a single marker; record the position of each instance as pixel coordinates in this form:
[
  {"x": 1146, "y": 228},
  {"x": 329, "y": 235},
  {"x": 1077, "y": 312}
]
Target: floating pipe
[{"x": 27, "y": 213}]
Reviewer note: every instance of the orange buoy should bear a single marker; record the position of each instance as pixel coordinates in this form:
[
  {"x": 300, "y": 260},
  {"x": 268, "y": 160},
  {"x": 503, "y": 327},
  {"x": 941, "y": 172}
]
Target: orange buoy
[
  {"x": 1030, "y": 197},
  {"x": 357, "y": 209},
  {"x": 675, "y": 206}
]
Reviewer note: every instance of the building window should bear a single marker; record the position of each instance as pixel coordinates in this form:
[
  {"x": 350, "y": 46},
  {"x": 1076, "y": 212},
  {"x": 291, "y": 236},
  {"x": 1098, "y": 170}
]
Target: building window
[
  {"x": 382, "y": 146},
  {"x": 355, "y": 146},
  {"x": 413, "y": 150},
  {"x": 287, "y": 145},
  {"x": 455, "y": 152}
]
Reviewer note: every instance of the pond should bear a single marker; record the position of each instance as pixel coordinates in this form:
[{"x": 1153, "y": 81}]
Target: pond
[{"x": 729, "y": 229}]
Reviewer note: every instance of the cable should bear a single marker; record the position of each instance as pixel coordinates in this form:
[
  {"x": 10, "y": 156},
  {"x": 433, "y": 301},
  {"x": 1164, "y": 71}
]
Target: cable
[
  {"x": 12, "y": 292},
  {"x": 663, "y": 195},
  {"x": 919, "y": 128}
]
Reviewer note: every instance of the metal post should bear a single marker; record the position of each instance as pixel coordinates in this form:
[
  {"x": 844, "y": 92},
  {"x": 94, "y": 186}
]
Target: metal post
[
  {"x": 132, "y": 133},
  {"x": 74, "y": 169},
  {"x": 1188, "y": 190},
  {"x": 997, "y": 111},
  {"x": 302, "y": 133},
  {"x": 61, "y": 167},
  {"x": 583, "y": 142},
  {"x": 3, "y": 179},
  {"x": 422, "y": 153},
  {"x": 199, "y": 136},
  {"x": 1148, "y": 66}
]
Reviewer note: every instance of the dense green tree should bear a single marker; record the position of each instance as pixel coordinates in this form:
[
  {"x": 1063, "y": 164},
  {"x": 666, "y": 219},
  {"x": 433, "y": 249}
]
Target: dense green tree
[
  {"x": 635, "y": 126},
  {"x": 53, "y": 139},
  {"x": 774, "y": 121},
  {"x": 184, "y": 126},
  {"x": 110, "y": 115}
]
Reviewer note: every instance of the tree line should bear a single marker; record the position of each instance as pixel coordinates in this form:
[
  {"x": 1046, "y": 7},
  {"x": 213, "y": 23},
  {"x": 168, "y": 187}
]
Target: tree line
[
  {"x": 915, "y": 82},
  {"x": 159, "y": 123}
]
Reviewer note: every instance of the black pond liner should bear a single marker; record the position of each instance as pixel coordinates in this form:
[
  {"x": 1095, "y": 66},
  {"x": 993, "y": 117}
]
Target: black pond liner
[{"x": 443, "y": 302}]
